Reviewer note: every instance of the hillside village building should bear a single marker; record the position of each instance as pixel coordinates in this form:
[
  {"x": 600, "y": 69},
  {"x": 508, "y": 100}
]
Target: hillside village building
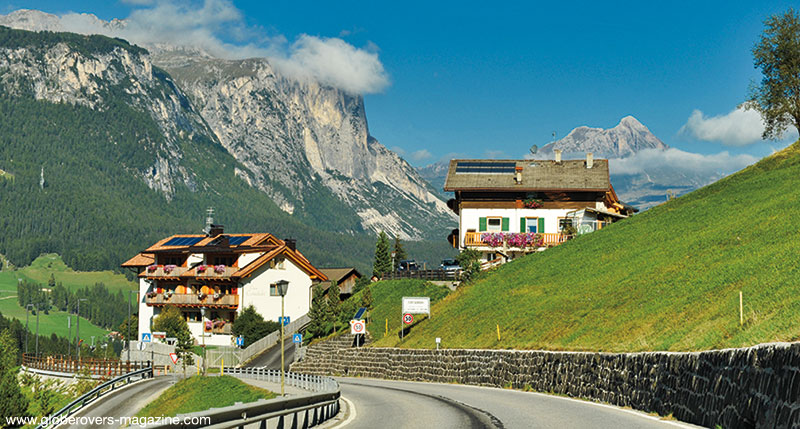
[
  {"x": 507, "y": 208},
  {"x": 221, "y": 274}
]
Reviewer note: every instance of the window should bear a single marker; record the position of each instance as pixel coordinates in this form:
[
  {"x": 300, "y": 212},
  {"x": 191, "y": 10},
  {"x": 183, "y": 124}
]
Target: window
[
  {"x": 228, "y": 261},
  {"x": 273, "y": 290},
  {"x": 490, "y": 257},
  {"x": 493, "y": 224},
  {"x": 532, "y": 224},
  {"x": 564, "y": 223}
]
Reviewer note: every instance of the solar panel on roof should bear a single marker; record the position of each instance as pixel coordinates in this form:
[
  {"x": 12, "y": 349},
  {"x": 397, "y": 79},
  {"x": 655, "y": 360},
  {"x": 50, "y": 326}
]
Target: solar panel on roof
[
  {"x": 183, "y": 241},
  {"x": 485, "y": 167},
  {"x": 235, "y": 241}
]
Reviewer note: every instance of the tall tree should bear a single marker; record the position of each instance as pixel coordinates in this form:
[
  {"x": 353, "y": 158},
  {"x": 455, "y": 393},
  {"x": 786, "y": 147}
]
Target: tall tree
[
  {"x": 171, "y": 322},
  {"x": 777, "y": 54},
  {"x": 399, "y": 253},
  {"x": 12, "y": 402},
  {"x": 252, "y": 326},
  {"x": 320, "y": 313},
  {"x": 383, "y": 259}
]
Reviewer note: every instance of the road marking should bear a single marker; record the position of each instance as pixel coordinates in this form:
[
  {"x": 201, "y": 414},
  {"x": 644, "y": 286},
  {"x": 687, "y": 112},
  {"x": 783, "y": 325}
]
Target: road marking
[{"x": 351, "y": 414}]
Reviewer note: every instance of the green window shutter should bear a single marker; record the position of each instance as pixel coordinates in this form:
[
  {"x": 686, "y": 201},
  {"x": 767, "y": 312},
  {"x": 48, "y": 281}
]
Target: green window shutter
[
  {"x": 481, "y": 224},
  {"x": 522, "y": 224},
  {"x": 540, "y": 229},
  {"x": 504, "y": 225}
]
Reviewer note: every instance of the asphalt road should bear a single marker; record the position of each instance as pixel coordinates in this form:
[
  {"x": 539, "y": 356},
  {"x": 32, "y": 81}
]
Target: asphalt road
[
  {"x": 124, "y": 403},
  {"x": 271, "y": 357},
  {"x": 402, "y": 404}
]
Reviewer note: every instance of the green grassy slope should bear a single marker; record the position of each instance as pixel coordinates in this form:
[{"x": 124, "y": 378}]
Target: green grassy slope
[
  {"x": 201, "y": 393},
  {"x": 53, "y": 323},
  {"x": 41, "y": 268},
  {"x": 666, "y": 279}
]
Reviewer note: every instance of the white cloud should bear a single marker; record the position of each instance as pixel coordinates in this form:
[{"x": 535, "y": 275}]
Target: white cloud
[
  {"x": 421, "y": 155},
  {"x": 494, "y": 154},
  {"x": 398, "y": 150},
  {"x": 738, "y": 128},
  {"x": 678, "y": 160},
  {"x": 218, "y": 28}
]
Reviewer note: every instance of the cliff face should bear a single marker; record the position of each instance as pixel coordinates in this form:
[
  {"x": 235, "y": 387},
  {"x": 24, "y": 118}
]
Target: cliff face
[{"x": 302, "y": 142}]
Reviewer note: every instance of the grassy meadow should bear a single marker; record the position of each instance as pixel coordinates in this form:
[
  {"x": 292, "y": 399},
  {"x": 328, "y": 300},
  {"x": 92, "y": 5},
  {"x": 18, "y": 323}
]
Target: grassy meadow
[
  {"x": 200, "y": 393},
  {"x": 666, "y": 279}
]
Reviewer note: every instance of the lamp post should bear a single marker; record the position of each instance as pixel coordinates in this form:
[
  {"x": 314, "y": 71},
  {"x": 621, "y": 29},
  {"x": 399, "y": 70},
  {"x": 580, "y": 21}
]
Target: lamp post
[
  {"x": 38, "y": 310},
  {"x": 203, "y": 334},
  {"x": 78, "y": 331},
  {"x": 27, "y": 307},
  {"x": 283, "y": 287},
  {"x": 128, "y": 337}
]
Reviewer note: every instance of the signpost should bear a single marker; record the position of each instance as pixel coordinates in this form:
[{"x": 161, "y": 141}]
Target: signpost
[
  {"x": 438, "y": 341},
  {"x": 240, "y": 341},
  {"x": 147, "y": 337},
  {"x": 284, "y": 320},
  {"x": 357, "y": 327},
  {"x": 297, "y": 338},
  {"x": 174, "y": 357},
  {"x": 161, "y": 335},
  {"x": 414, "y": 305}
]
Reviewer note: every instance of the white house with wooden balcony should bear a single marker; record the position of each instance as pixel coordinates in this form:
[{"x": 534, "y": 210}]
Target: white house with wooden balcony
[
  {"x": 508, "y": 208},
  {"x": 212, "y": 277}
]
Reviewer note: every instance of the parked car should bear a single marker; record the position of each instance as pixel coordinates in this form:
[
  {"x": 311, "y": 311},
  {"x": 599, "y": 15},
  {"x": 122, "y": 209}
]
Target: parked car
[
  {"x": 449, "y": 265},
  {"x": 408, "y": 265}
]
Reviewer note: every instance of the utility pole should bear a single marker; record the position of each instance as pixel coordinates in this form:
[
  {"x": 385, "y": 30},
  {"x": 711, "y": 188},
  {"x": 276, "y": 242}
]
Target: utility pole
[
  {"x": 26, "y": 326},
  {"x": 78, "y": 331},
  {"x": 37, "y": 329},
  {"x": 128, "y": 337}
]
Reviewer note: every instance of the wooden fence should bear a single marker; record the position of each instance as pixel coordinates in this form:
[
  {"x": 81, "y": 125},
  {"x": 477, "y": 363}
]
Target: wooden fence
[{"x": 68, "y": 365}]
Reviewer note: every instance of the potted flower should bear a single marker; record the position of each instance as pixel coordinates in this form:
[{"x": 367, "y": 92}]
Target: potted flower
[
  {"x": 169, "y": 268},
  {"x": 201, "y": 268},
  {"x": 217, "y": 295},
  {"x": 151, "y": 294},
  {"x": 219, "y": 269},
  {"x": 152, "y": 268},
  {"x": 201, "y": 295},
  {"x": 532, "y": 203},
  {"x": 168, "y": 293}
]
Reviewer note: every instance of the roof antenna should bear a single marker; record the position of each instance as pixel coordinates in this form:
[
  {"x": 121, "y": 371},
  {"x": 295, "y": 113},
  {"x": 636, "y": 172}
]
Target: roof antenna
[{"x": 209, "y": 220}]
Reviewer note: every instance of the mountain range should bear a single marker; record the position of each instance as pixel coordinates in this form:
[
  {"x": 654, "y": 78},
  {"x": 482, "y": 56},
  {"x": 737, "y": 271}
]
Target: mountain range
[{"x": 136, "y": 143}]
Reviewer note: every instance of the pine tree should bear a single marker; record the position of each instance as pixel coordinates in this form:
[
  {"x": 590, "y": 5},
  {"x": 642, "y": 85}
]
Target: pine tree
[
  {"x": 334, "y": 304},
  {"x": 183, "y": 348},
  {"x": 319, "y": 313},
  {"x": 399, "y": 253},
  {"x": 383, "y": 260},
  {"x": 12, "y": 402}
]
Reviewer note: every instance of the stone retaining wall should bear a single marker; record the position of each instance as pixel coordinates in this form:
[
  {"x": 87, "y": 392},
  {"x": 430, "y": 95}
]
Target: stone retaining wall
[{"x": 734, "y": 388}]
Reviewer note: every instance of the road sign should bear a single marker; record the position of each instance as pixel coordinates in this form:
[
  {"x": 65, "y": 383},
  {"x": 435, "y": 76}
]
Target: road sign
[
  {"x": 357, "y": 327},
  {"x": 142, "y": 346},
  {"x": 416, "y": 305},
  {"x": 240, "y": 341},
  {"x": 285, "y": 320},
  {"x": 161, "y": 335},
  {"x": 408, "y": 318},
  {"x": 147, "y": 337},
  {"x": 297, "y": 338},
  {"x": 174, "y": 357}
]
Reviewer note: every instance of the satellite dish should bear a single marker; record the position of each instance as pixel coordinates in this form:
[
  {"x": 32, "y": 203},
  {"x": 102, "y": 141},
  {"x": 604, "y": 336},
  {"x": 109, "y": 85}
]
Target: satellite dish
[{"x": 534, "y": 149}]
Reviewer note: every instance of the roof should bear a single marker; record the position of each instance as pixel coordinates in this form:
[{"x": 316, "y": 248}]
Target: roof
[
  {"x": 140, "y": 260},
  {"x": 288, "y": 253},
  {"x": 537, "y": 175},
  {"x": 204, "y": 243},
  {"x": 337, "y": 274}
]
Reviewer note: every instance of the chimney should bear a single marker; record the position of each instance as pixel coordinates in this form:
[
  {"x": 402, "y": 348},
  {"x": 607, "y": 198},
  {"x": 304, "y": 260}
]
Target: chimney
[
  {"x": 215, "y": 230},
  {"x": 518, "y": 175},
  {"x": 558, "y": 155},
  {"x": 291, "y": 243},
  {"x": 589, "y": 160}
]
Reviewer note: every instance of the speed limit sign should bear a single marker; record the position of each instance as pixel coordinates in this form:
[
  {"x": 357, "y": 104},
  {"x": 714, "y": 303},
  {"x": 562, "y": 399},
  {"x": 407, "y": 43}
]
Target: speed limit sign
[
  {"x": 408, "y": 318},
  {"x": 357, "y": 327}
]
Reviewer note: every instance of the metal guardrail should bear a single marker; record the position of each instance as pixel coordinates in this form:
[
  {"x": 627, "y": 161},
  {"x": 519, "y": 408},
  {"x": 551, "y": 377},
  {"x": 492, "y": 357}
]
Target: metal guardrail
[
  {"x": 57, "y": 364},
  {"x": 55, "y": 419},
  {"x": 302, "y": 410}
]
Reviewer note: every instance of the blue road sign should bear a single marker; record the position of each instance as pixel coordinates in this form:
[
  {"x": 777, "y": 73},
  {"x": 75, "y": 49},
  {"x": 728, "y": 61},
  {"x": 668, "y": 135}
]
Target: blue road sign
[
  {"x": 297, "y": 338},
  {"x": 240, "y": 341},
  {"x": 285, "y": 320},
  {"x": 147, "y": 337}
]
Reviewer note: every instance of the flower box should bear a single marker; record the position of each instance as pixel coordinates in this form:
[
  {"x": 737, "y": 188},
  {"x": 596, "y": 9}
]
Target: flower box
[
  {"x": 152, "y": 268},
  {"x": 201, "y": 268},
  {"x": 169, "y": 268},
  {"x": 219, "y": 269},
  {"x": 532, "y": 203}
]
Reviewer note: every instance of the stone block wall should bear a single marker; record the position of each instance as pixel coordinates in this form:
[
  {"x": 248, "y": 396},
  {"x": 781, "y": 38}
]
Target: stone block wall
[{"x": 734, "y": 388}]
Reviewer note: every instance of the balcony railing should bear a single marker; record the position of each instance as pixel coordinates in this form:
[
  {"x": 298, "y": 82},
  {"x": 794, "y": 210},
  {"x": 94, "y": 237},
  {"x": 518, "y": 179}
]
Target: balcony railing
[
  {"x": 211, "y": 273},
  {"x": 473, "y": 239},
  {"x": 192, "y": 299},
  {"x": 164, "y": 271}
]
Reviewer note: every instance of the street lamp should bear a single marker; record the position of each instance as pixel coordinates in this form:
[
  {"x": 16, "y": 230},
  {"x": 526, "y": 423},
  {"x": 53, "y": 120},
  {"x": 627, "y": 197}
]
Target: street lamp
[
  {"x": 203, "y": 334},
  {"x": 26, "y": 326},
  {"x": 38, "y": 310},
  {"x": 78, "y": 332},
  {"x": 283, "y": 287}
]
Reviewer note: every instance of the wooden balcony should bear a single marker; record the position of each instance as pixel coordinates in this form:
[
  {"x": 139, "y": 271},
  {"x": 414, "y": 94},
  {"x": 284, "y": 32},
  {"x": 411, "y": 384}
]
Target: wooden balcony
[
  {"x": 193, "y": 300},
  {"x": 473, "y": 239},
  {"x": 159, "y": 271},
  {"x": 211, "y": 273}
]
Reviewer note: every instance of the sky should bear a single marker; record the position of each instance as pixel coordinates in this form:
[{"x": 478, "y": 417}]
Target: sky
[{"x": 474, "y": 79}]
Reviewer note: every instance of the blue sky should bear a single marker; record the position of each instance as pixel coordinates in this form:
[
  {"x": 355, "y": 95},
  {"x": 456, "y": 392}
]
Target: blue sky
[{"x": 480, "y": 80}]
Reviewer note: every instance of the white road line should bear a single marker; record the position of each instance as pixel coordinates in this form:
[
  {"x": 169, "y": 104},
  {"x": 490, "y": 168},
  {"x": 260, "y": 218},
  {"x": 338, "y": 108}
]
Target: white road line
[{"x": 351, "y": 414}]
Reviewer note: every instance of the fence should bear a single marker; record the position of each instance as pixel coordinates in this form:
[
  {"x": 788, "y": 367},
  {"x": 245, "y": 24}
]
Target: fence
[
  {"x": 88, "y": 397},
  {"x": 296, "y": 411},
  {"x": 272, "y": 339},
  {"x": 441, "y": 275},
  {"x": 64, "y": 365}
]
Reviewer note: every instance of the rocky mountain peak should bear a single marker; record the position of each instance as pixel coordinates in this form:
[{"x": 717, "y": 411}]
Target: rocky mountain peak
[{"x": 625, "y": 139}]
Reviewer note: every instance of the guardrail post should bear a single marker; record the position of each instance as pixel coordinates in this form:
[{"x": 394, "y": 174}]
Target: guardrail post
[
  {"x": 280, "y": 423},
  {"x": 305, "y": 421}
]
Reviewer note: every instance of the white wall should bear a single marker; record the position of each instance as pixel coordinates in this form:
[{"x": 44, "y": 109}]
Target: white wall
[
  {"x": 255, "y": 291},
  {"x": 247, "y": 258},
  {"x": 145, "y": 311},
  {"x": 469, "y": 218},
  {"x": 194, "y": 258},
  {"x": 196, "y": 328}
]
